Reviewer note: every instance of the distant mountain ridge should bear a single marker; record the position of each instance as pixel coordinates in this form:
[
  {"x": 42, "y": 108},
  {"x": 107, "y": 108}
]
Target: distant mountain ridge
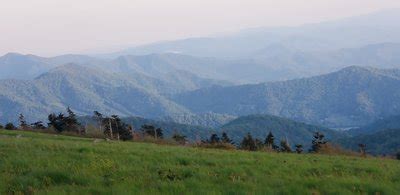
[{"x": 350, "y": 97}]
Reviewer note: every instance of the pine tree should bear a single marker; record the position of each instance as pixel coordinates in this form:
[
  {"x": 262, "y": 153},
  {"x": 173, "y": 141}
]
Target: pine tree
[
  {"x": 180, "y": 139},
  {"x": 248, "y": 143},
  {"x": 72, "y": 123},
  {"x": 150, "y": 130},
  {"x": 398, "y": 155},
  {"x": 22, "y": 122},
  {"x": 214, "y": 139},
  {"x": 57, "y": 122},
  {"x": 318, "y": 142},
  {"x": 38, "y": 125},
  {"x": 225, "y": 139},
  {"x": 299, "y": 148},
  {"x": 270, "y": 141},
  {"x": 1, "y": 126},
  {"x": 285, "y": 147}
]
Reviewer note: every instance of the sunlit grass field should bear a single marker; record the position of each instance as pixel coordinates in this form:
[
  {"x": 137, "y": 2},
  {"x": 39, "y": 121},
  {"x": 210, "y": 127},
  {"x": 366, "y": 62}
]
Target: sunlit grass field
[{"x": 54, "y": 164}]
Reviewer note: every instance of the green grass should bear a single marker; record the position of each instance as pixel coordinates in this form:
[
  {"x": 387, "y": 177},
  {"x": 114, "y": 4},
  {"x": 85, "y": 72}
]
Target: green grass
[{"x": 55, "y": 164}]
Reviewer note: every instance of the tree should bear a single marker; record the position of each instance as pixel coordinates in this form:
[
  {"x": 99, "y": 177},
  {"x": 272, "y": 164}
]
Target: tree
[
  {"x": 214, "y": 139},
  {"x": 99, "y": 118},
  {"x": 225, "y": 139},
  {"x": 299, "y": 148},
  {"x": 152, "y": 131},
  {"x": 285, "y": 147},
  {"x": 318, "y": 142},
  {"x": 72, "y": 123},
  {"x": 270, "y": 141},
  {"x": 1, "y": 126},
  {"x": 248, "y": 143},
  {"x": 180, "y": 139},
  {"x": 362, "y": 148},
  {"x": 22, "y": 122},
  {"x": 57, "y": 122},
  {"x": 38, "y": 125},
  {"x": 115, "y": 128},
  {"x": 10, "y": 126},
  {"x": 398, "y": 155}
]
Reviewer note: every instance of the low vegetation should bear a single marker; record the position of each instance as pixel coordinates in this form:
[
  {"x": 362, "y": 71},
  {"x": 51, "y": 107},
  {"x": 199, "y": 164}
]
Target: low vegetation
[{"x": 33, "y": 162}]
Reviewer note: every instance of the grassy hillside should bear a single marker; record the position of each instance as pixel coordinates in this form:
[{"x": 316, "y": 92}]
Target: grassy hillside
[{"x": 44, "y": 163}]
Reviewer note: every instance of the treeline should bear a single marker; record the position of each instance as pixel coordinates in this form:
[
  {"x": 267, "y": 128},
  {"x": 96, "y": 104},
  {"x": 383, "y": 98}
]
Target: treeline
[{"x": 113, "y": 128}]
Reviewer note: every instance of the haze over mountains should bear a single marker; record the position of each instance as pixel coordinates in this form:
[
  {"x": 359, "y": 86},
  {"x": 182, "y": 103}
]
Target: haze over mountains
[{"x": 212, "y": 80}]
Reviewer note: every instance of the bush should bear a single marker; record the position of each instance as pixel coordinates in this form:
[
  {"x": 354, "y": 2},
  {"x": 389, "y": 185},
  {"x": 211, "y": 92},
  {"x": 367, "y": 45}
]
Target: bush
[
  {"x": 336, "y": 150},
  {"x": 398, "y": 156},
  {"x": 10, "y": 126}
]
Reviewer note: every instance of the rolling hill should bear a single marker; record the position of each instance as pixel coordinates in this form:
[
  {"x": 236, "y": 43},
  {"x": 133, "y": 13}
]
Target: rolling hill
[
  {"x": 353, "y": 96},
  {"x": 260, "y": 125}
]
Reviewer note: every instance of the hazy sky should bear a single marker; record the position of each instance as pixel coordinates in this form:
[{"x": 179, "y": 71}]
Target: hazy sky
[{"x": 52, "y": 27}]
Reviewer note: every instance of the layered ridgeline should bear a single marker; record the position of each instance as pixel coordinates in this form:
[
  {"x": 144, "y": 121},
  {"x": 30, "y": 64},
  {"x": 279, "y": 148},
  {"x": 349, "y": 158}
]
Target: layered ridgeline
[
  {"x": 380, "y": 137},
  {"x": 377, "y": 27},
  {"x": 353, "y": 96}
]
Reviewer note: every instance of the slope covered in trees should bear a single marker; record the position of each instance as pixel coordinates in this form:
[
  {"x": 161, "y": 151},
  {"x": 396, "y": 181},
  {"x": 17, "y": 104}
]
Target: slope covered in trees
[
  {"x": 259, "y": 127},
  {"x": 353, "y": 96}
]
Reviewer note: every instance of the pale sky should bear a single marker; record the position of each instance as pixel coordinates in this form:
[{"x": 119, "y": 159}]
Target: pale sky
[{"x": 53, "y": 27}]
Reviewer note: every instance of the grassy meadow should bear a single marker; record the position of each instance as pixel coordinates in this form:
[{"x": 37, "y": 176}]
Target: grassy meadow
[{"x": 55, "y": 164}]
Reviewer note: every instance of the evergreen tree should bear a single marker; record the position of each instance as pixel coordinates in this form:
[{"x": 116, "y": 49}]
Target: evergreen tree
[
  {"x": 71, "y": 122},
  {"x": 225, "y": 139},
  {"x": 318, "y": 142},
  {"x": 152, "y": 131},
  {"x": 248, "y": 143},
  {"x": 285, "y": 147},
  {"x": 57, "y": 122},
  {"x": 398, "y": 155},
  {"x": 10, "y": 126},
  {"x": 180, "y": 139},
  {"x": 214, "y": 139},
  {"x": 299, "y": 148},
  {"x": 259, "y": 144},
  {"x": 270, "y": 141},
  {"x": 38, "y": 125},
  {"x": 22, "y": 122},
  {"x": 1, "y": 126}
]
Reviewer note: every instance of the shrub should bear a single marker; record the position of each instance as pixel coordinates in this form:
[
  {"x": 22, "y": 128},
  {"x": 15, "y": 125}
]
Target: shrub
[
  {"x": 10, "y": 126},
  {"x": 398, "y": 155}
]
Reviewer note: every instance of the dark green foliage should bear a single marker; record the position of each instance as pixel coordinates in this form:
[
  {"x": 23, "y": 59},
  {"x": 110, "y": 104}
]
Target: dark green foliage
[
  {"x": 285, "y": 147},
  {"x": 214, "y": 139},
  {"x": 38, "y": 125},
  {"x": 225, "y": 138},
  {"x": 72, "y": 123},
  {"x": 62, "y": 123},
  {"x": 180, "y": 139},
  {"x": 152, "y": 131},
  {"x": 398, "y": 156},
  {"x": 248, "y": 143},
  {"x": 318, "y": 142},
  {"x": 270, "y": 141},
  {"x": 382, "y": 142},
  {"x": 10, "y": 126},
  {"x": 299, "y": 148},
  {"x": 113, "y": 127},
  {"x": 57, "y": 122},
  {"x": 1, "y": 126},
  {"x": 22, "y": 122}
]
